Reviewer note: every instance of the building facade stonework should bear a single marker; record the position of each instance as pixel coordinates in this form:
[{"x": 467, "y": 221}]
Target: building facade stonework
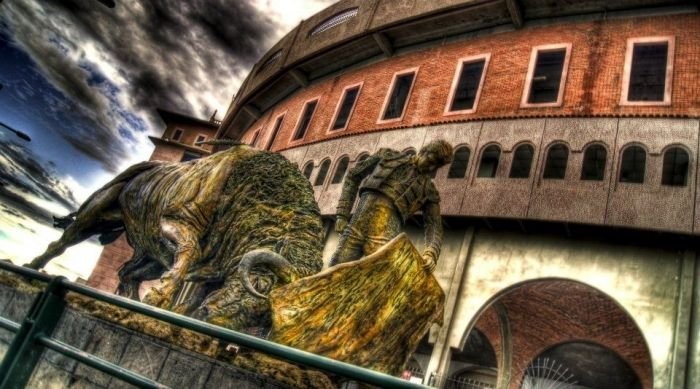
[{"x": 570, "y": 216}]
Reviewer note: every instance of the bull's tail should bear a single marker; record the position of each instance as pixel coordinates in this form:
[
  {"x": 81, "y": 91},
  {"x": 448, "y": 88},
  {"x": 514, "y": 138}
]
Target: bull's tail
[{"x": 279, "y": 265}]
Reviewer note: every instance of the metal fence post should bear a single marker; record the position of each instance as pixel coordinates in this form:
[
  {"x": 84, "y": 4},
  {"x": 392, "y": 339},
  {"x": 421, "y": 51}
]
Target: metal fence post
[{"x": 24, "y": 352}]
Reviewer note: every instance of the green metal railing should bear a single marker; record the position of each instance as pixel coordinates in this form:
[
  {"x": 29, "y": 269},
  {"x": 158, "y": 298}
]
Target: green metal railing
[{"x": 33, "y": 336}]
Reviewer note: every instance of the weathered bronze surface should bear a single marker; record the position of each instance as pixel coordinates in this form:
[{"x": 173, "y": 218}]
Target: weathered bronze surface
[
  {"x": 196, "y": 220},
  {"x": 240, "y": 224},
  {"x": 370, "y": 313},
  {"x": 392, "y": 186}
]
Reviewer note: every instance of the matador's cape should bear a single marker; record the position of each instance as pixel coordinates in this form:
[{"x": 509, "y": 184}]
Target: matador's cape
[{"x": 371, "y": 313}]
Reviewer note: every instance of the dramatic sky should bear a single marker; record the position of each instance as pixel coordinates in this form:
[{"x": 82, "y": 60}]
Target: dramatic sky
[{"x": 83, "y": 81}]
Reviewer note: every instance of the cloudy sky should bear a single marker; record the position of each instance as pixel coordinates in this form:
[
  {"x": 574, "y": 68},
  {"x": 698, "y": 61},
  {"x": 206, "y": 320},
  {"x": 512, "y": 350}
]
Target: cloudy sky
[{"x": 83, "y": 81}]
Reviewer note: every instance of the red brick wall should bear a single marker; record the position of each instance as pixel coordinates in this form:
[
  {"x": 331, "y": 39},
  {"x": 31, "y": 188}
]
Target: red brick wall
[
  {"x": 190, "y": 133},
  {"x": 548, "y": 313},
  {"x": 167, "y": 153},
  {"x": 114, "y": 255},
  {"x": 490, "y": 326},
  {"x": 593, "y": 86}
]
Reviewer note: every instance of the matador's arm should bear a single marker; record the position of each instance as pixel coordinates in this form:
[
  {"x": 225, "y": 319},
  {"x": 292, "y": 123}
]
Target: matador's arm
[
  {"x": 351, "y": 185},
  {"x": 433, "y": 233}
]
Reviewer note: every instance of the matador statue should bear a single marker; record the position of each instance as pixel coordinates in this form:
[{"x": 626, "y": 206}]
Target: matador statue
[{"x": 392, "y": 186}]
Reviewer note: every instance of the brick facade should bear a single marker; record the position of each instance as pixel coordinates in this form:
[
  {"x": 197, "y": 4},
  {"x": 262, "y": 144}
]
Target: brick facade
[{"x": 592, "y": 88}]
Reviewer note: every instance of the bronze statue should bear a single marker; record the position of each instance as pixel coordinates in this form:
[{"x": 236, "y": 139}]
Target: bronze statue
[
  {"x": 242, "y": 225},
  {"x": 392, "y": 186},
  {"x": 201, "y": 221}
]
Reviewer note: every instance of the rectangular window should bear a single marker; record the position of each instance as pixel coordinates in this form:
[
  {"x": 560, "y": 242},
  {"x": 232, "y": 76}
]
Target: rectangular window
[
  {"x": 397, "y": 99},
  {"x": 200, "y": 138},
  {"x": 305, "y": 119},
  {"x": 254, "y": 139},
  {"x": 648, "y": 71},
  {"x": 177, "y": 134},
  {"x": 544, "y": 86},
  {"x": 275, "y": 131},
  {"x": 466, "y": 85},
  {"x": 345, "y": 108}
]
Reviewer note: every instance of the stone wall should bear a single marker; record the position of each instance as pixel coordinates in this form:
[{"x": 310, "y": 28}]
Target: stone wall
[{"x": 166, "y": 363}]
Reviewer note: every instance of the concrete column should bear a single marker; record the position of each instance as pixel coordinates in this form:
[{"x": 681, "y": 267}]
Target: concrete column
[
  {"x": 692, "y": 377},
  {"x": 684, "y": 307},
  {"x": 440, "y": 358}
]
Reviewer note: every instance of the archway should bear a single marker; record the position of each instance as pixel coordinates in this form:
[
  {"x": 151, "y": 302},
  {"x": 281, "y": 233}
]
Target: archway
[
  {"x": 580, "y": 365},
  {"x": 565, "y": 318}
]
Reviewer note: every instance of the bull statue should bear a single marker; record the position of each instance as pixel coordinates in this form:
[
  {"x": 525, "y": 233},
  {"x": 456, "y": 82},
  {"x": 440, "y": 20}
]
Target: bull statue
[{"x": 234, "y": 225}]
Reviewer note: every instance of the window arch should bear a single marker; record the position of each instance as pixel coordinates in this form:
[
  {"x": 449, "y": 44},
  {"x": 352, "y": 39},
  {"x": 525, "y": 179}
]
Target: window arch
[
  {"x": 460, "y": 161},
  {"x": 340, "y": 169},
  {"x": 339, "y": 18},
  {"x": 361, "y": 158},
  {"x": 322, "y": 172},
  {"x": 594, "y": 158},
  {"x": 522, "y": 161},
  {"x": 633, "y": 165},
  {"x": 489, "y": 161},
  {"x": 675, "y": 170},
  {"x": 557, "y": 159},
  {"x": 308, "y": 169}
]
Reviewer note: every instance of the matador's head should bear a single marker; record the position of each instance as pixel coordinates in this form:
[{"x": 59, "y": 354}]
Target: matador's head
[{"x": 434, "y": 155}]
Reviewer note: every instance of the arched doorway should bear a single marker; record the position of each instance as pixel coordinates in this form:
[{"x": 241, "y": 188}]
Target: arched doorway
[
  {"x": 475, "y": 366},
  {"x": 580, "y": 365},
  {"x": 568, "y": 320}
]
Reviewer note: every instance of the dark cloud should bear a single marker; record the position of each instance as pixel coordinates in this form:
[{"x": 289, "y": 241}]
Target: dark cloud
[
  {"x": 22, "y": 174},
  {"x": 180, "y": 55},
  {"x": 19, "y": 206}
]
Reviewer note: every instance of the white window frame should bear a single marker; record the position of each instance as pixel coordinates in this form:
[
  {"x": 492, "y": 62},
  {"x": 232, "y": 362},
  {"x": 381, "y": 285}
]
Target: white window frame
[
  {"x": 531, "y": 72},
  {"x": 455, "y": 81},
  {"x": 268, "y": 139},
  {"x": 256, "y": 137},
  {"x": 182, "y": 133},
  {"x": 396, "y": 75},
  {"x": 668, "y": 88},
  {"x": 301, "y": 115},
  {"x": 340, "y": 102},
  {"x": 198, "y": 135}
]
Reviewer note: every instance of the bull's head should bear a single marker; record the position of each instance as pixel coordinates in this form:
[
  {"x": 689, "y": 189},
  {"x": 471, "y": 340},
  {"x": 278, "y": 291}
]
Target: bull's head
[{"x": 279, "y": 265}]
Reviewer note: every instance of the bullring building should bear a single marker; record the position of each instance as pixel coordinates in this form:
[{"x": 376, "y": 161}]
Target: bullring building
[{"x": 571, "y": 207}]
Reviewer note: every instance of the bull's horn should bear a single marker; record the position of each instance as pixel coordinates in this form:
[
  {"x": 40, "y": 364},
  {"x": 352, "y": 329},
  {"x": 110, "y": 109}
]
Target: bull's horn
[{"x": 275, "y": 262}]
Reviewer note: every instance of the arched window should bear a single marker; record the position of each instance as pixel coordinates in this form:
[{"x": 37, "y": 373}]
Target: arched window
[
  {"x": 322, "y": 173},
  {"x": 339, "y": 18},
  {"x": 593, "y": 168},
  {"x": 633, "y": 165},
  {"x": 522, "y": 161},
  {"x": 489, "y": 161},
  {"x": 362, "y": 158},
  {"x": 557, "y": 158},
  {"x": 410, "y": 151},
  {"x": 308, "y": 169},
  {"x": 340, "y": 170},
  {"x": 460, "y": 161},
  {"x": 675, "y": 171}
]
